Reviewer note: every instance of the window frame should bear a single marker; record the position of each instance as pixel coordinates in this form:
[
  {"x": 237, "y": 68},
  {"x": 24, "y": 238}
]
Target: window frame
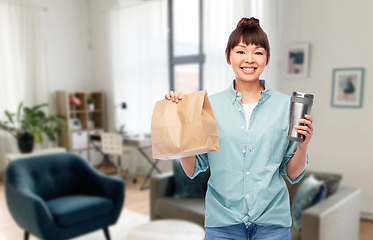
[{"x": 187, "y": 59}]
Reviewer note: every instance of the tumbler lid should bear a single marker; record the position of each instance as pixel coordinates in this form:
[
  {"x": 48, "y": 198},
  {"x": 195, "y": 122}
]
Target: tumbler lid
[{"x": 303, "y": 95}]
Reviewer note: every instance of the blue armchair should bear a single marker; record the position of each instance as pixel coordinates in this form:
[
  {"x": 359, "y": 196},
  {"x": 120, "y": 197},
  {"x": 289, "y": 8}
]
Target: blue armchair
[{"x": 61, "y": 196}]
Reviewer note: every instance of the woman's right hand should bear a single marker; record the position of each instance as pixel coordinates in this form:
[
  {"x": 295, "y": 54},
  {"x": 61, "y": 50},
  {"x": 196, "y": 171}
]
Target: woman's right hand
[{"x": 174, "y": 96}]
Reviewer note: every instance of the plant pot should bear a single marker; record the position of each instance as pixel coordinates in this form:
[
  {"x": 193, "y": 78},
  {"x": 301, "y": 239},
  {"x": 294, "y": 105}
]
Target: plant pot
[
  {"x": 91, "y": 107},
  {"x": 25, "y": 143}
]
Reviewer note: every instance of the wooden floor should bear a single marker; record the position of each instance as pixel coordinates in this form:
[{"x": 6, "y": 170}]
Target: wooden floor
[{"x": 135, "y": 200}]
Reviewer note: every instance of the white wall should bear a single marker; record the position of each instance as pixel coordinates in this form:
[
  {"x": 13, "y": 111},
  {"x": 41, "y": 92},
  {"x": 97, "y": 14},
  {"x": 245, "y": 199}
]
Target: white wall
[{"x": 340, "y": 36}]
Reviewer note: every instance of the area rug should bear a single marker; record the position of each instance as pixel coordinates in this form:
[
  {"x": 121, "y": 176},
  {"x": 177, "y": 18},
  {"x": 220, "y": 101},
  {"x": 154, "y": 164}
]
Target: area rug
[{"x": 128, "y": 220}]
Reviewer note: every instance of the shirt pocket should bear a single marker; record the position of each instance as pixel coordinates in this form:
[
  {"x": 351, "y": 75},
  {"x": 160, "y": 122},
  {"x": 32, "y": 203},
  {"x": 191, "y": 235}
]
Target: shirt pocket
[{"x": 276, "y": 144}]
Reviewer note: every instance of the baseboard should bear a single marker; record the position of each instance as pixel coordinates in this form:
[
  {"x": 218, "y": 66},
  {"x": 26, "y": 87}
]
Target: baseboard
[{"x": 366, "y": 216}]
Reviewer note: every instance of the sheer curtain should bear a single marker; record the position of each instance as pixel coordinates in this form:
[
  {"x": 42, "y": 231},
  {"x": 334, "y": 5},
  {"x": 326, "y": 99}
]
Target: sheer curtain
[
  {"x": 22, "y": 64},
  {"x": 139, "y": 61},
  {"x": 138, "y": 36}
]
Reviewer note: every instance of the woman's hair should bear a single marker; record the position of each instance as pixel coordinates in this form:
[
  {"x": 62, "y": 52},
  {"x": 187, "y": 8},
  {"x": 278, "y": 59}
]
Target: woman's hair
[{"x": 248, "y": 31}]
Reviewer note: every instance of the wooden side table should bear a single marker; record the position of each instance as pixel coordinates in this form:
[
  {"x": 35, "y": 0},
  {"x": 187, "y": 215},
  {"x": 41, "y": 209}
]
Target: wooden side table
[
  {"x": 169, "y": 229},
  {"x": 10, "y": 157}
]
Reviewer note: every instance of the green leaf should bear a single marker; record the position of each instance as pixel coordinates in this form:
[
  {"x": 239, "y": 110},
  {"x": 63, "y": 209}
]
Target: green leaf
[
  {"x": 39, "y": 106},
  {"x": 51, "y": 136},
  {"x": 19, "y": 112},
  {"x": 10, "y": 116},
  {"x": 38, "y": 137}
]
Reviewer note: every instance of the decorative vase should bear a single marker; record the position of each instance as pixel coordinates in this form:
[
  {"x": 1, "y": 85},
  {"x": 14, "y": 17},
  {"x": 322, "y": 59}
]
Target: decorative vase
[{"x": 25, "y": 142}]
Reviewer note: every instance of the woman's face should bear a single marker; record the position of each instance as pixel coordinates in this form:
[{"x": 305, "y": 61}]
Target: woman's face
[{"x": 248, "y": 61}]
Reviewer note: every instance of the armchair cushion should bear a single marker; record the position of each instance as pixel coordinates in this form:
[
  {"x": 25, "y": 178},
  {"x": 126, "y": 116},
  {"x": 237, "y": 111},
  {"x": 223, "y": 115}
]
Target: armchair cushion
[
  {"x": 186, "y": 187},
  {"x": 75, "y": 209}
]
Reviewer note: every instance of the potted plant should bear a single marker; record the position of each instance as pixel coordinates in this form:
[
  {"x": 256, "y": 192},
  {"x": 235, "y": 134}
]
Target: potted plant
[
  {"x": 29, "y": 127},
  {"x": 91, "y": 104}
]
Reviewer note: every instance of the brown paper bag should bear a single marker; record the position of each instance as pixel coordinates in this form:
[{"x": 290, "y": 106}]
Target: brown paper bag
[{"x": 184, "y": 129}]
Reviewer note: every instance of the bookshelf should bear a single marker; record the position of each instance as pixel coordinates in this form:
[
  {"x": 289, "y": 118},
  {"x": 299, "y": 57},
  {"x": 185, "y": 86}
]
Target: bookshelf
[{"x": 81, "y": 121}]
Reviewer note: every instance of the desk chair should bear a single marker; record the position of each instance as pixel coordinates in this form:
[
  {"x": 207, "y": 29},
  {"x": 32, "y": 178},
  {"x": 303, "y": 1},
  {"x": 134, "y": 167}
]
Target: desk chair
[{"x": 111, "y": 145}]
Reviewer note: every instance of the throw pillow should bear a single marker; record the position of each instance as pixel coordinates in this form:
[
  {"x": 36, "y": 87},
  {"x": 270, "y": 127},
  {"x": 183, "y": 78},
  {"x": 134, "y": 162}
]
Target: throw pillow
[
  {"x": 333, "y": 184},
  {"x": 321, "y": 195},
  {"x": 303, "y": 199},
  {"x": 332, "y": 181},
  {"x": 186, "y": 187}
]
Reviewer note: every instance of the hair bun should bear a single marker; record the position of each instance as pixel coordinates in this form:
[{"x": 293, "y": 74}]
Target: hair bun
[{"x": 251, "y": 20}]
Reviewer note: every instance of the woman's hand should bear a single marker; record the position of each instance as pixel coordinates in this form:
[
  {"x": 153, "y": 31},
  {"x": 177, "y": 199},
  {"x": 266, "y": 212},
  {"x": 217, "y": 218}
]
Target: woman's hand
[
  {"x": 306, "y": 130},
  {"x": 175, "y": 96}
]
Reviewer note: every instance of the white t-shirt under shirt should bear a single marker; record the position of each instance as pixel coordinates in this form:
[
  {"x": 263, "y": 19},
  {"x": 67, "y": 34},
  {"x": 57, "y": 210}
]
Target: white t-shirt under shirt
[{"x": 248, "y": 109}]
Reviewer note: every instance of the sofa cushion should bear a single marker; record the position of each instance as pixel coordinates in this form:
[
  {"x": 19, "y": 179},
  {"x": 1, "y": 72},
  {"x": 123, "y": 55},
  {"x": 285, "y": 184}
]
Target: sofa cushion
[
  {"x": 71, "y": 210},
  {"x": 303, "y": 199},
  {"x": 192, "y": 209},
  {"x": 186, "y": 187}
]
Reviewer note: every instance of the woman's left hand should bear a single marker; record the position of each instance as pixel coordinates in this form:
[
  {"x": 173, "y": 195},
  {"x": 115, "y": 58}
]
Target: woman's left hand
[{"x": 306, "y": 130}]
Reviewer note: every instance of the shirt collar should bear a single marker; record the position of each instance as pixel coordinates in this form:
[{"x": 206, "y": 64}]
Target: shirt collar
[{"x": 236, "y": 95}]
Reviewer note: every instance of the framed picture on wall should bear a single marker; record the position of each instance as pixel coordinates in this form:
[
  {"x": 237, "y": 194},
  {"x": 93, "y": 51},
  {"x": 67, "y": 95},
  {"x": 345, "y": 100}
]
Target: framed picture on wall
[
  {"x": 297, "y": 60},
  {"x": 347, "y": 88}
]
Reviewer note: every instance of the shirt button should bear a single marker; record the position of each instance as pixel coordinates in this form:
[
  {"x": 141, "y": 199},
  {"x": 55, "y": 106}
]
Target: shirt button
[
  {"x": 247, "y": 172},
  {"x": 250, "y": 149},
  {"x": 233, "y": 100},
  {"x": 238, "y": 94},
  {"x": 244, "y": 151},
  {"x": 247, "y": 195},
  {"x": 242, "y": 127},
  {"x": 239, "y": 109}
]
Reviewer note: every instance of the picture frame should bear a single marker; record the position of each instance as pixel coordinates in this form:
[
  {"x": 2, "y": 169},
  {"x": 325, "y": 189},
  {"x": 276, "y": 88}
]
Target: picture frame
[
  {"x": 297, "y": 60},
  {"x": 347, "y": 87}
]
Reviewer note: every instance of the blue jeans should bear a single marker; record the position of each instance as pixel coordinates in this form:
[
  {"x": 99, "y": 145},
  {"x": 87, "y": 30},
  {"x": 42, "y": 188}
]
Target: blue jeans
[{"x": 254, "y": 232}]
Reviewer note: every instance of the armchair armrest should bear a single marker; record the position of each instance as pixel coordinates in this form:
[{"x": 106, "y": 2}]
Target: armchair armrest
[
  {"x": 337, "y": 217},
  {"x": 29, "y": 211},
  {"x": 112, "y": 187},
  {"x": 161, "y": 185}
]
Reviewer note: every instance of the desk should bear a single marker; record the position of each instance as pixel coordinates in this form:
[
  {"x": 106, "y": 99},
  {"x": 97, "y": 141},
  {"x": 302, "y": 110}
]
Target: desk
[
  {"x": 10, "y": 157},
  {"x": 140, "y": 143}
]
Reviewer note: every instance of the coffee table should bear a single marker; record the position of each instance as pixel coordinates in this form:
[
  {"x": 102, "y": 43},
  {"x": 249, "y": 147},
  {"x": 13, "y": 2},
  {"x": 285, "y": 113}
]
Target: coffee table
[{"x": 169, "y": 229}]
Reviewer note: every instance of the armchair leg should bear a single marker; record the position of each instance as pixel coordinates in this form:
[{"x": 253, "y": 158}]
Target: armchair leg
[
  {"x": 107, "y": 233},
  {"x": 26, "y": 235}
]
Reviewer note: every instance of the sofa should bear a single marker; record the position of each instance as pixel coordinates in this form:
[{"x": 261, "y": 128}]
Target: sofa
[{"x": 336, "y": 217}]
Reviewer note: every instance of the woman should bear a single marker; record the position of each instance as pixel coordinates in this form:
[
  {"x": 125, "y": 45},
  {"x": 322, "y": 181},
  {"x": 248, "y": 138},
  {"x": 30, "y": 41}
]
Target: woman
[{"x": 247, "y": 197}]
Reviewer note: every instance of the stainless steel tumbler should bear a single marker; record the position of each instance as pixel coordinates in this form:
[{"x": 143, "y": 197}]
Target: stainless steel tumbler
[{"x": 300, "y": 105}]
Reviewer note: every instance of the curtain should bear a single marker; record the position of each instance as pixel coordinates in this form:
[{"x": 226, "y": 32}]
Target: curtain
[
  {"x": 138, "y": 36},
  {"x": 139, "y": 69},
  {"x": 23, "y": 75}
]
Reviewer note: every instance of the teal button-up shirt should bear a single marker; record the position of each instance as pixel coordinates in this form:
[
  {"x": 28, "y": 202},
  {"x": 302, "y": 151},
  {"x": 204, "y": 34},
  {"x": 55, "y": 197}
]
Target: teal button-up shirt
[{"x": 246, "y": 185}]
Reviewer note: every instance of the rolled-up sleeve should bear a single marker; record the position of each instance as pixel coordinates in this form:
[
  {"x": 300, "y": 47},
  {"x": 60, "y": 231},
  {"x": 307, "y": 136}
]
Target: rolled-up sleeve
[
  {"x": 202, "y": 164},
  {"x": 290, "y": 151}
]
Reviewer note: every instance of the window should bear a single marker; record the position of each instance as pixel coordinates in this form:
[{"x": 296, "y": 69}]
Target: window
[{"x": 186, "y": 56}]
